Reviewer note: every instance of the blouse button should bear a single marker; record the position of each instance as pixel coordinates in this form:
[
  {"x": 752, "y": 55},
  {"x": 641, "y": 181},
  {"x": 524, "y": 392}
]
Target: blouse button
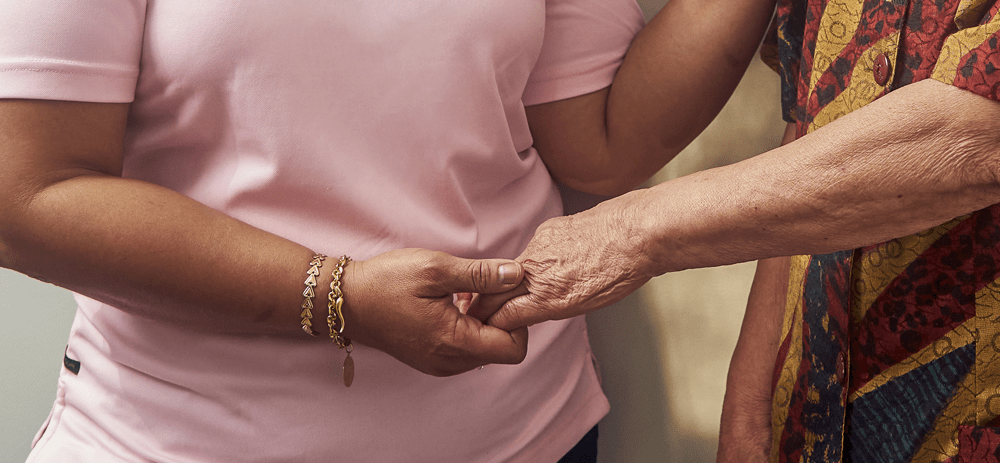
[{"x": 881, "y": 69}]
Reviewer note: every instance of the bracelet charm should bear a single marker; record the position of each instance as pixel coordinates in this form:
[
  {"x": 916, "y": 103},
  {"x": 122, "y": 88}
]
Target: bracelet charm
[{"x": 335, "y": 319}]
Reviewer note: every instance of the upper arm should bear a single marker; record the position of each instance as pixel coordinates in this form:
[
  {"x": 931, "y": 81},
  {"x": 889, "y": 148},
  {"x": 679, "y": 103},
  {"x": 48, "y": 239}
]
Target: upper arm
[
  {"x": 60, "y": 61},
  {"x": 583, "y": 46},
  {"x": 570, "y": 137},
  {"x": 43, "y": 142},
  {"x": 585, "y": 153}
]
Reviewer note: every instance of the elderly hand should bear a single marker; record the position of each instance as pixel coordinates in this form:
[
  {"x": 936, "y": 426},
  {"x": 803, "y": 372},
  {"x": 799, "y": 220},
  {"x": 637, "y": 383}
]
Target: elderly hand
[
  {"x": 402, "y": 302},
  {"x": 573, "y": 265}
]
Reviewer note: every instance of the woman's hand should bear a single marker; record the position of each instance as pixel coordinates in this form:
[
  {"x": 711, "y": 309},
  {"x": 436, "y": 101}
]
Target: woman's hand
[
  {"x": 402, "y": 303},
  {"x": 573, "y": 265}
]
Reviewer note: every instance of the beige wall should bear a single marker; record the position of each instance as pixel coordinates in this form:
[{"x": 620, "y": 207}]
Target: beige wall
[{"x": 664, "y": 350}]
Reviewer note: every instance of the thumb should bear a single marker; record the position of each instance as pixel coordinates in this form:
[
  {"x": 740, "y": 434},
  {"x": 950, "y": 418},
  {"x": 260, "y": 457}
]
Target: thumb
[{"x": 483, "y": 276}]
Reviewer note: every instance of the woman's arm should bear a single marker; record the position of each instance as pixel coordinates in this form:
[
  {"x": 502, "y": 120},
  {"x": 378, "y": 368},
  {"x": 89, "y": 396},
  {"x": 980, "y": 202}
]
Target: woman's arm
[
  {"x": 745, "y": 432},
  {"x": 68, "y": 218},
  {"x": 916, "y": 158},
  {"x": 678, "y": 73}
]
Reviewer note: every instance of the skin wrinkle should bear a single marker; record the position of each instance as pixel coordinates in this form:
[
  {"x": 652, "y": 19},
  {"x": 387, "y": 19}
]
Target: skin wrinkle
[
  {"x": 951, "y": 167},
  {"x": 625, "y": 258},
  {"x": 637, "y": 246},
  {"x": 977, "y": 169},
  {"x": 761, "y": 419},
  {"x": 556, "y": 283},
  {"x": 686, "y": 244}
]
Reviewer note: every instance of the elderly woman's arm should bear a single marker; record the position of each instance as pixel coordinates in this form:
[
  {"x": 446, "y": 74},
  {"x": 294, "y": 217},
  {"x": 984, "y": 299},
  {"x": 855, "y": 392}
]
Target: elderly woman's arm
[
  {"x": 920, "y": 156},
  {"x": 745, "y": 429},
  {"x": 68, "y": 218}
]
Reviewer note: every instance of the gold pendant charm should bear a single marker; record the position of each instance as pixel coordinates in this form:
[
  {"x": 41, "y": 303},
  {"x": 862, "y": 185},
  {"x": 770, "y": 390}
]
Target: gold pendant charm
[{"x": 348, "y": 371}]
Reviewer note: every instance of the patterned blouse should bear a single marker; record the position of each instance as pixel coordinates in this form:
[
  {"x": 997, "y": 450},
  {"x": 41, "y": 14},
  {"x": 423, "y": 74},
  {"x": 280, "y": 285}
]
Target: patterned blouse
[{"x": 890, "y": 353}]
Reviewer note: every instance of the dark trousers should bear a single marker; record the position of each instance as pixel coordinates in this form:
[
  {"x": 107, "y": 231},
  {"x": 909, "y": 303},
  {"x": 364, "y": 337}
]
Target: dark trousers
[{"x": 585, "y": 451}]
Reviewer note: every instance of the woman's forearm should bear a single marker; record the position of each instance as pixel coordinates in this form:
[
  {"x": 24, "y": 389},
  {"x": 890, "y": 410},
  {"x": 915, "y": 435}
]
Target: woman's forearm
[
  {"x": 157, "y": 254},
  {"x": 68, "y": 218}
]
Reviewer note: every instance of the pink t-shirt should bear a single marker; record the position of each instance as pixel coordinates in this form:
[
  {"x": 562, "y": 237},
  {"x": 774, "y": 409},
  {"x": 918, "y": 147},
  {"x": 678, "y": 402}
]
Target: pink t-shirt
[{"x": 351, "y": 127}]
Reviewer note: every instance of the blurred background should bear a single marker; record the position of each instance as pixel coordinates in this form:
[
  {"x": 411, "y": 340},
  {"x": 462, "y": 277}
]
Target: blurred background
[{"x": 664, "y": 351}]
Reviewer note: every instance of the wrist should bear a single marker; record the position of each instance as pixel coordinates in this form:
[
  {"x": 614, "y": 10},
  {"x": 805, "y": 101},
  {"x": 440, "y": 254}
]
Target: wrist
[
  {"x": 644, "y": 226},
  {"x": 352, "y": 294},
  {"x": 744, "y": 436}
]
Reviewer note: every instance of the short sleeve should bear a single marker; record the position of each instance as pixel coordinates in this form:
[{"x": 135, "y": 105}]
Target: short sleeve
[
  {"x": 73, "y": 50},
  {"x": 584, "y": 43},
  {"x": 970, "y": 57}
]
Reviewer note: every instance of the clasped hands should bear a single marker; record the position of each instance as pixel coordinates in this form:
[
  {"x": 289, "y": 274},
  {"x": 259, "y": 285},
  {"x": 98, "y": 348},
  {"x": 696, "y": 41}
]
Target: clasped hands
[{"x": 445, "y": 315}]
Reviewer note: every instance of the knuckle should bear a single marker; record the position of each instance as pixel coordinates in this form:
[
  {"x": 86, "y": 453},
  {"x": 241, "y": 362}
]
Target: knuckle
[{"x": 481, "y": 274}]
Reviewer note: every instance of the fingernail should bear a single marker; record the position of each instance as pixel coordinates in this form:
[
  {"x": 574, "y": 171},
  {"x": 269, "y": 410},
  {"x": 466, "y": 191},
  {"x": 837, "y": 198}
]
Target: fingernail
[{"x": 508, "y": 273}]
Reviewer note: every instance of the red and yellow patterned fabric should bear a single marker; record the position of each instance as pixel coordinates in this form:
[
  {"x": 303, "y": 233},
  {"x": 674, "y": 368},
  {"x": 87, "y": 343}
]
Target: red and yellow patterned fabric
[{"x": 890, "y": 353}]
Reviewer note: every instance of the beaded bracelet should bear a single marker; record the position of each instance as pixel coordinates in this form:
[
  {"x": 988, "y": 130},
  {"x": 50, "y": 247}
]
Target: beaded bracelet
[
  {"x": 335, "y": 319},
  {"x": 310, "y": 293}
]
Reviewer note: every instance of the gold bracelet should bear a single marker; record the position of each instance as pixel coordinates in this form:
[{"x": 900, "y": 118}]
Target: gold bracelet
[
  {"x": 335, "y": 319},
  {"x": 310, "y": 293}
]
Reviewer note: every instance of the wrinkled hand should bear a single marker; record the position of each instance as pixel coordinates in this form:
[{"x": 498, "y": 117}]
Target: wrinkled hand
[
  {"x": 573, "y": 265},
  {"x": 750, "y": 444},
  {"x": 745, "y": 433},
  {"x": 401, "y": 302}
]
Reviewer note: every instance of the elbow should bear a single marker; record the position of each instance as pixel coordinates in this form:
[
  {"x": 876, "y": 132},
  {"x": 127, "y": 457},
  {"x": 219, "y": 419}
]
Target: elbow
[
  {"x": 990, "y": 162},
  {"x": 4, "y": 252},
  {"x": 617, "y": 176},
  {"x": 607, "y": 166},
  {"x": 974, "y": 158},
  {"x": 19, "y": 203},
  {"x": 11, "y": 208},
  {"x": 609, "y": 186},
  {"x": 7, "y": 235},
  {"x": 10, "y": 203}
]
